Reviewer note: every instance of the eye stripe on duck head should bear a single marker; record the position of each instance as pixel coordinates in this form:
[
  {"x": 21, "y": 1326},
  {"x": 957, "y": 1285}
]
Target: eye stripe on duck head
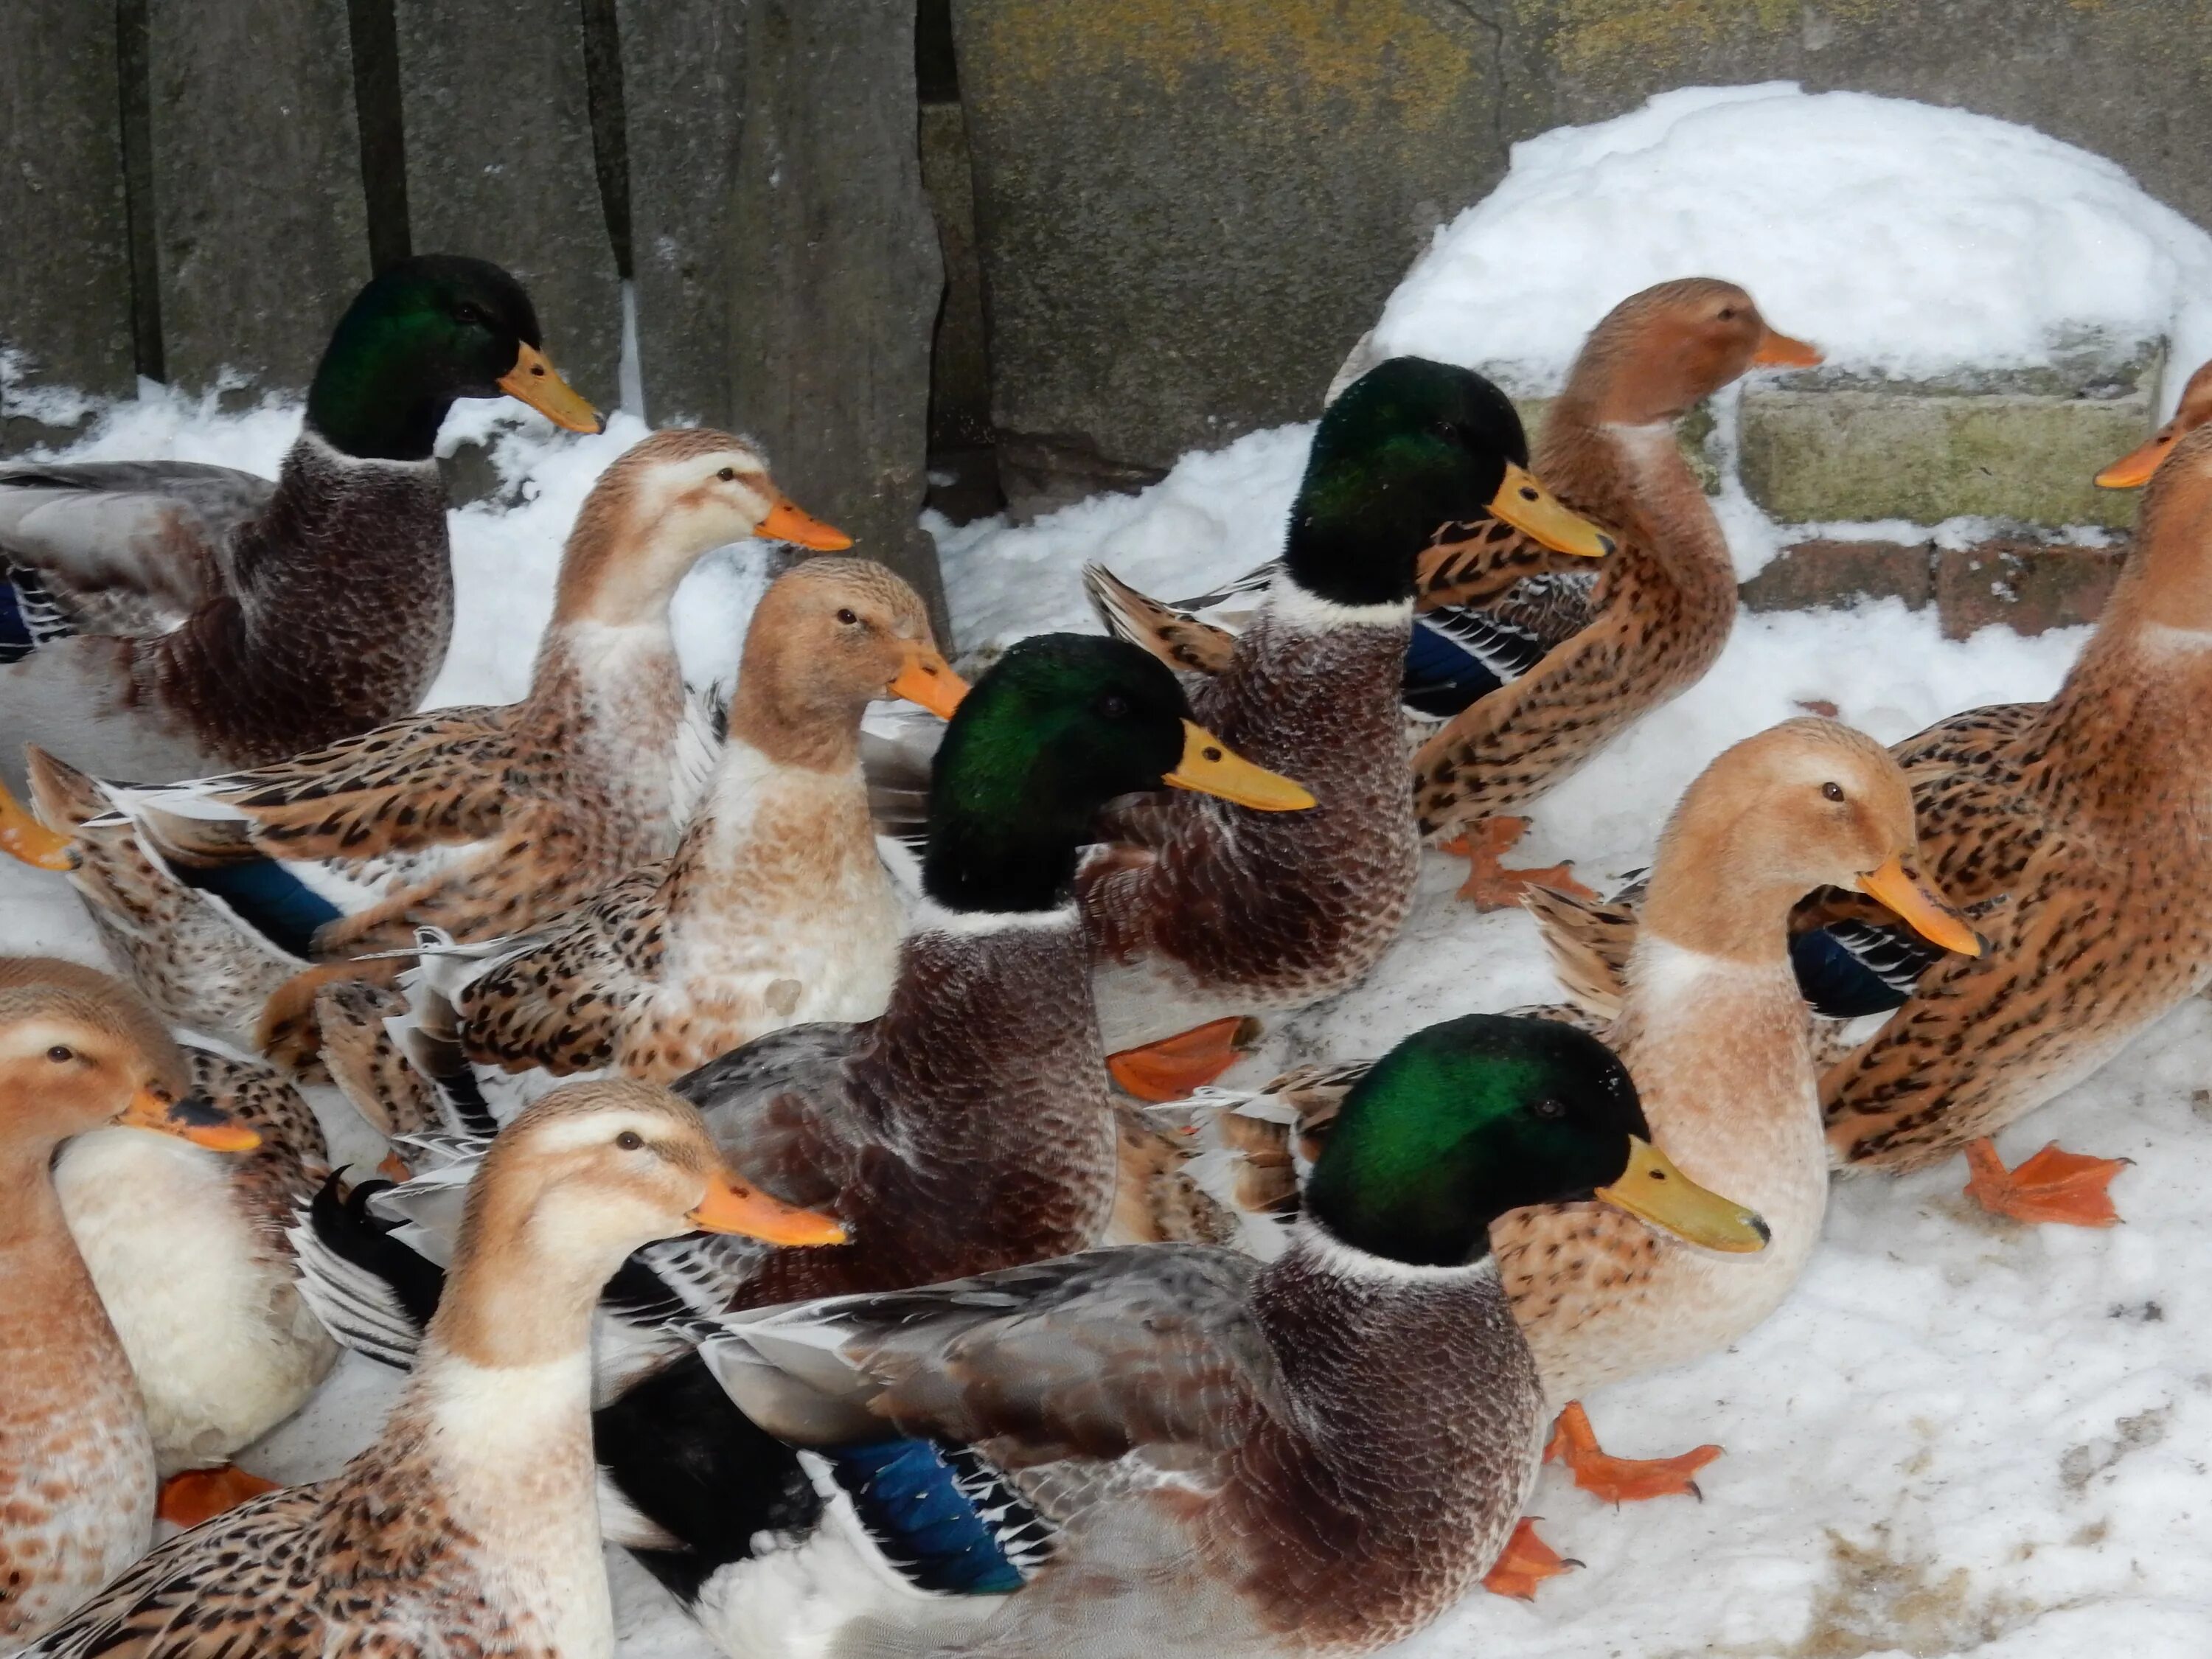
[
  {"x": 1409, "y": 446},
  {"x": 32, "y": 988},
  {"x": 651, "y": 515}
]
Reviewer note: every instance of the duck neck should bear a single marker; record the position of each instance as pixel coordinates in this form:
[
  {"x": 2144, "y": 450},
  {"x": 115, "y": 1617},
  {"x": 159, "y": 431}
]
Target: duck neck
[
  {"x": 791, "y": 724},
  {"x": 1734, "y": 918},
  {"x": 42, "y": 1270},
  {"x": 1609, "y": 455},
  {"x": 372, "y": 403}
]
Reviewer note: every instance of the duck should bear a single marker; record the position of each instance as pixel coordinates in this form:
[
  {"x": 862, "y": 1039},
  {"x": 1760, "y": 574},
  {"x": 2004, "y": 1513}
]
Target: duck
[
  {"x": 77, "y": 1459},
  {"x": 1200, "y": 912},
  {"x": 1174, "y": 1448},
  {"x": 1586, "y": 656},
  {"x": 468, "y": 1526},
  {"x": 2194, "y": 408},
  {"x": 165, "y": 619},
  {"x": 1711, "y": 1025},
  {"x": 188, "y": 1250},
  {"x": 968, "y": 1127},
  {"x": 230, "y": 900},
  {"x": 776, "y": 909}
]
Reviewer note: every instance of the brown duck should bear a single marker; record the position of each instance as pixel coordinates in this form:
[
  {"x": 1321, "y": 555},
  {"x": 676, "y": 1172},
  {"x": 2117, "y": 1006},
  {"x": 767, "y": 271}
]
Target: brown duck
[{"x": 163, "y": 619}]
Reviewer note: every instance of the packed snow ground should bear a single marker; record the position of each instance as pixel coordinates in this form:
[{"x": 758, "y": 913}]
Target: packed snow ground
[{"x": 1960, "y": 1435}]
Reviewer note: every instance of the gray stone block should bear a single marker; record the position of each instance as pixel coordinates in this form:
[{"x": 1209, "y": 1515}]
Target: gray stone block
[
  {"x": 1824, "y": 447},
  {"x": 65, "y": 278},
  {"x": 683, "y": 65},
  {"x": 260, "y": 233},
  {"x": 1190, "y": 209},
  {"x": 500, "y": 164},
  {"x": 837, "y": 274}
]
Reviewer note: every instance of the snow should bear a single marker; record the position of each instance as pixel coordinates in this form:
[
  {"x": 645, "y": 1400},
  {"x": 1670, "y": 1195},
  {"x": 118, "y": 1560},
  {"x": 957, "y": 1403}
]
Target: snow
[
  {"x": 1958, "y": 1435},
  {"x": 1902, "y": 238}
]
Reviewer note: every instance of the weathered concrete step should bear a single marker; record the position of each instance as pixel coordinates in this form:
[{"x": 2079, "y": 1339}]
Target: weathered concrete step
[
  {"x": 2026, "y": 586},
  {"x": 1824, "y": 448}
]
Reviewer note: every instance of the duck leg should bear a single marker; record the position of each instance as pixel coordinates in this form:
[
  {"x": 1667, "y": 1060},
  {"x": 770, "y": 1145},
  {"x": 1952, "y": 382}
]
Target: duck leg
[
  {"x": 1176, "y": 1066},
  {"x": 1489, "y": 884},
  {"x": 1525, "y": 1562},
  {"x": 192, "y": 1496},
  {"x": 2053, "y": 1186},
  {"x": 1621, "y": 1479}
]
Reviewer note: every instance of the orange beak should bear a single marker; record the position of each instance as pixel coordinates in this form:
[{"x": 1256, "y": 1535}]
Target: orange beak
[
  {"x": 23, "y": 836},
  {"x": 533, "y": 381},
  {"x": 1781, "y": 351},
  {"x": 927, "y": 678},
  {"x": 190, "y": 1119},
  {"x": 2135, "y": 468},
  {"x": 732, "y": 1206},
  {"x": 1920, "y": 906},
  {"x": 787, "y": 521}
]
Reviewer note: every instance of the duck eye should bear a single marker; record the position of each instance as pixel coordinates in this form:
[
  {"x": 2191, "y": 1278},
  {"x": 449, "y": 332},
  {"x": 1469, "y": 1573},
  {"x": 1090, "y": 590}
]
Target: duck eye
[
  {"x": 1114, "y": 706},
  {"x": 1728, "y": 313},
  {"x": 846, "y": 616},
  {"x": 726, "y": 474},
  {"x": 61, "y": 1053},
  {"x": 1550, "y": 1108},
  {"x": 629, "y": 1140},
  {"x": 1449, "y": 431},
  {"x": 468, "y": 314},
  {"x": 1832, "y": 791}
]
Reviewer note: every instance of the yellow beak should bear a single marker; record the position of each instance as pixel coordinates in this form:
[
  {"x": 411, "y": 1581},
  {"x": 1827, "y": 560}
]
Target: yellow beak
[
  {"x": 190, "y": 1119},
  {"x": 2136, "y": 467},
  {"x": 732, "y": 1206},
  {"x": 927, "y": 678},
  {"x": 533, "y": 380},
  {"x": 1211, "y": 767},
  {"x": 1527, "y": 504},
  {"x": 1652, "y": 1189},
  {"x": 1920, "y": 907},
  {"x": 23, "y": 836}
]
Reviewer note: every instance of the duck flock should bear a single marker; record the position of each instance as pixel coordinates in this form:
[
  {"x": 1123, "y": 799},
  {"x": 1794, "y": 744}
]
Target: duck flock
[{"x": 807, "y": 1168}]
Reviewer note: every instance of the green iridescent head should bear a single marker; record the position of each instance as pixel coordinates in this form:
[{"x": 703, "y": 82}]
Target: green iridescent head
[
  {"x": 1468, "y": 1120},
  {"x": 421, "y": 334},
  {"x": 1058, "y": 726},
  {"x": 1410, "y": 446}
]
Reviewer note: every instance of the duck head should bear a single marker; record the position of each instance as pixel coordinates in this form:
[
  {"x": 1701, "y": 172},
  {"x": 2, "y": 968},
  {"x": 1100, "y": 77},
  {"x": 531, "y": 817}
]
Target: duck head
[
  {"x": 2136, "y": 467},
  {"x": 665, "y": 503},
  {"x": 423, "y": 333},
  {"x": 1659, "y": 352},
  {"x": 78, "y": 1052},
  {"x": 1061, "y": 725},
  {"x": 1808, "y": 804},
  {"x": 1410, "y": 446},
  {"x": 1464, "y": 1121},
  {"x": 829, "y": 637}
]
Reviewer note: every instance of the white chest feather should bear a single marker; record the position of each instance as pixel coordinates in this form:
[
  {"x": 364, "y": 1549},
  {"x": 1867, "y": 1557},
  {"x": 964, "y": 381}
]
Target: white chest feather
[{"x": 222, "y": 1346}]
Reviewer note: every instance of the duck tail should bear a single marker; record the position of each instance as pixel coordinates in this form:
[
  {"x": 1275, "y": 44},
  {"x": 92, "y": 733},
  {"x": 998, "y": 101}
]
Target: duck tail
[
  {"x": 1176, "y": 637},
  {"x": 372, "y": 1292},
  {"x": 1590, "y": 941}
]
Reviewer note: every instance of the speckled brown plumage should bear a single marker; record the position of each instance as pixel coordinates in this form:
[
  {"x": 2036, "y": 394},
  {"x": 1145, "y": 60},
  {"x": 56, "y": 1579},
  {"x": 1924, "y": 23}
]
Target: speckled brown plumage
[
  {"x": 1663, "y": 605},
  {"x": 272, "y": 619},
  {"x": 1209, "y": 908},
  {"x": 2082, "y": 826}
]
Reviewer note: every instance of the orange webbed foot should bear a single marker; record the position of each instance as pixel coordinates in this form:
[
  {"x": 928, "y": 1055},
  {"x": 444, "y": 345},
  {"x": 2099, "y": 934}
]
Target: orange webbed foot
[
  {"x": 2053, "y": 1186},
  {"x": 1621, "y": 1479},
  {"x": 393, "y": 1167},
  {"x": 1491, "y": 886},
  {"x": 1525, "y": 1562},
  {"x": 197, "y": 1495},
  {"x": 1175, "y": 1068}
]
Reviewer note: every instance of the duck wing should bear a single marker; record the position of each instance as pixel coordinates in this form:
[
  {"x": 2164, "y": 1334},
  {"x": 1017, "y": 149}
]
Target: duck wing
[{"x": 120, "y": 547}]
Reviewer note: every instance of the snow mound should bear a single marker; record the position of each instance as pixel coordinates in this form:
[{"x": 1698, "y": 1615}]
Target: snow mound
[{"x": 1902, "y": 238}]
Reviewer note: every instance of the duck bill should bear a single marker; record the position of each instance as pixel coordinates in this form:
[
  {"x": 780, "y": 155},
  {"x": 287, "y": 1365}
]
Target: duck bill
[
  {"x": 2133, "y": 470},
  {"x": 23, "y": 836},
  {"x": 1652, "y": 1189},
  {"x": 193, "y": 1119},
  {"x": 1527, "y": 506},
  {"x": 927, "y": 678},
  {"x": 731, "y": 1206},
  {"x": 1212, "y": 767},
  {"x": 787, "y": 521},
  {"x": 535, "y": 381},
  {"x": 1781, "y": 351},
  {"x": 1920, "y": 907}
]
